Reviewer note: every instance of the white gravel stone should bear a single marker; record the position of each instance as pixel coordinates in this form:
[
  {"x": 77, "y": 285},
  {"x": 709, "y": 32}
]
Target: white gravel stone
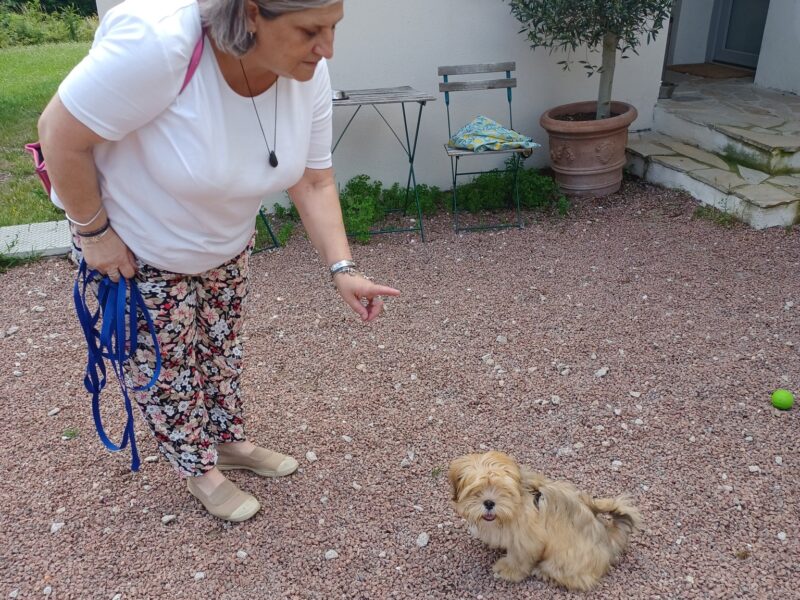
[
  {"x": 361, "y": 367},
  {"x": 578, "y": 445},
  {"x": 168, "y": 519},
  {"x": 47, "y": 590},
  {"x": 241, "y": 554},
  {"x": 418, "y": 508},
  {"x": 564, "y": 451},
  {"x": 303, "y": 427},
  {"x": 778, "y": 460},
  {"x": 54, "y": 528},
  {"x": 356, "y": 486},
  {"x": 616, "y": 464},
  {"x": 311, "y": 456},
  {"x": 16, "y": 373},
  {"x": 199, "y": 575},
  {"x": 423, "y": 539},
  {"x": 635, "y": 394},
  {"x": 618, "y": 411},
  {"x": 347, "y": 438},
  {"x": 382, "y": 554},
  {"x": 117, "y": 597},
  {"x": 53, "y": 412},
  {"x": 12, "y": 330},
  {"x": 151, "y": 459},
  {"x": 501, "y": 339},
  {"x": 555, "y": 400},
  {"x": 754, "y": 469},
  {"x": 782, "y": 536},
  {"x": 14, "y": 594},
  {"x": 331, "y": 554},
  {"x": 405, "y": 463},
  {"x": 638, "y": 422},
  {"x": 601, "y": 372}
]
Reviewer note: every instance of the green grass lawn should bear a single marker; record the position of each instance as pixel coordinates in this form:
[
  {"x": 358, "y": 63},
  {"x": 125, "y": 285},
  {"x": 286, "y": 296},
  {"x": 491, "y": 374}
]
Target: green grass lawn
[{"x": 29, "y": 76}]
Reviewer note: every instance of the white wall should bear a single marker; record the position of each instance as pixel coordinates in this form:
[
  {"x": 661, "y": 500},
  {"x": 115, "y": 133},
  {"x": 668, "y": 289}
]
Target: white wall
[
  {"x": 104, "y": 5},
  {"x": 778, "y": 64},
  {"x": 391, "y": 43},
  {"x": 691, "y": 32}
]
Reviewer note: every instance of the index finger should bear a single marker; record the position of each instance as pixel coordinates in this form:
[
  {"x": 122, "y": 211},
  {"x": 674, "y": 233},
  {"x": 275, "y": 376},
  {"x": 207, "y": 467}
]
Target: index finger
[{"x": 383, "y": 290}]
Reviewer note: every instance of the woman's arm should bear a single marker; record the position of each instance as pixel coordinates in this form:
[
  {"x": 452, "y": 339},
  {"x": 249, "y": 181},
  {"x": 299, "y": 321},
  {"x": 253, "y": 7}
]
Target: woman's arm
[
  {"x": 317, "y": 201},
  {"x": 67, "y": 145}
]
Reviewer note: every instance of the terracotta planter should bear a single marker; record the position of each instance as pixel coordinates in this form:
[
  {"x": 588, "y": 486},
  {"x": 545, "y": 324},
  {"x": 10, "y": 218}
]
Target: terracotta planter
[{"x": 588, "y": 156}]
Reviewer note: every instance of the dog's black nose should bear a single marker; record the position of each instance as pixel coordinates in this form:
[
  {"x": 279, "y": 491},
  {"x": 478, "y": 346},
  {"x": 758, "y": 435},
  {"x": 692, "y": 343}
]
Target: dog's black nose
[{"x": 489, "y": 504}]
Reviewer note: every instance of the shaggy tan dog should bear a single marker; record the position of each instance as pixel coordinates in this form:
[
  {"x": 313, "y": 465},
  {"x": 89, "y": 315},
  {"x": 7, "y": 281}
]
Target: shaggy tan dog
[{"x": 547, "y": 528}]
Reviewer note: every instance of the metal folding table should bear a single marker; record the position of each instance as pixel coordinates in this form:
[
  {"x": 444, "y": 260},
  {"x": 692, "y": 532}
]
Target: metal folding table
[
  {"x": 375, "y": 97},
  {"x": 395, "y": 95}
]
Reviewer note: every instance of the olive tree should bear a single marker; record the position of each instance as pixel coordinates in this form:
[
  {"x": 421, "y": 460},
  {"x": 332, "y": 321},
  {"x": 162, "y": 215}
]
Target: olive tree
[{"x": 606, "y": 25}]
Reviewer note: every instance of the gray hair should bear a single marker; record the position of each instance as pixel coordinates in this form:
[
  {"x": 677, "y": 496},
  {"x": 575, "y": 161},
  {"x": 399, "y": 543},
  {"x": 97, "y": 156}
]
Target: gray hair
[{"x": 226, "y": 20}]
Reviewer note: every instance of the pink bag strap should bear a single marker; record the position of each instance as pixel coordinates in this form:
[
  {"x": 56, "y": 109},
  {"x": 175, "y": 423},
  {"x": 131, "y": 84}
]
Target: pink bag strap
[{"x": 195, "y": 60}]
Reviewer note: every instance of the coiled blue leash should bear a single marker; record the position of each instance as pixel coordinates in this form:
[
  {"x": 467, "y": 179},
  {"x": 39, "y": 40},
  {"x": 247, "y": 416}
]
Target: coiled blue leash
[{"x": 110, "y": 336}]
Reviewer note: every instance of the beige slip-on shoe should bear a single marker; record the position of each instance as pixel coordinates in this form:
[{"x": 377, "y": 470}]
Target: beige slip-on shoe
[
  {"x": 226, "y": 502},
  {"x": 260, "y": 461}
]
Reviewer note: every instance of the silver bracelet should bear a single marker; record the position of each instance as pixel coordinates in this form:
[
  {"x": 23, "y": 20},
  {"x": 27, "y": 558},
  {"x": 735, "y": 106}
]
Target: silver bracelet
[
  {"x": 342, "y": 266},
  {"x": 89, "y": 222}
]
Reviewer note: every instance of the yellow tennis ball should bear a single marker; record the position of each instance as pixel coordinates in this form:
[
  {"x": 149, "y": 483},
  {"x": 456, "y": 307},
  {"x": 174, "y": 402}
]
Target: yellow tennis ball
[{"x": 782, "y": 399}]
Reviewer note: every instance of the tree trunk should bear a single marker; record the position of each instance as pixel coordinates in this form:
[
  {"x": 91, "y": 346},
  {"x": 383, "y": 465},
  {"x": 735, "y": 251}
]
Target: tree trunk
[{"x": 610, "y": 42}]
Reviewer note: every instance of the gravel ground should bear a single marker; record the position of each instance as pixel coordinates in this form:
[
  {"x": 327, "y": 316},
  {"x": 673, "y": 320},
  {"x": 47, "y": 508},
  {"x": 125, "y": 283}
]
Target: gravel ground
[{"x": 500, "y": 340}]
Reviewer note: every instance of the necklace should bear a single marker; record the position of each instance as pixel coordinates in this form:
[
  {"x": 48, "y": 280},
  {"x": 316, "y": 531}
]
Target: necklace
[{"x": 273, "y": 158}]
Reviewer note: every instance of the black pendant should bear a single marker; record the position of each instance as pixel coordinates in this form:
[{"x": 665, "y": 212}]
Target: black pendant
[{"x": 273, "y": 160}]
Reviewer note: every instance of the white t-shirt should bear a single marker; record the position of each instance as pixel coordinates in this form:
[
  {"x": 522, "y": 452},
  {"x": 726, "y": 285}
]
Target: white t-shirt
[{"x": 184, "y": 175}]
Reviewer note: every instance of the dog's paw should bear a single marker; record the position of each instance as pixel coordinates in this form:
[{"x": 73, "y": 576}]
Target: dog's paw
[{"x": 507, "y": 569}]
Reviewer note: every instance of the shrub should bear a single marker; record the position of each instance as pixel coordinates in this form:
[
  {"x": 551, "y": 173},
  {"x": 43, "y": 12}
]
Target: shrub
[
  {"x": 361, "y": 206},
  {"x": 430, "y": 198},
  {"x": 27, "y": 24}
]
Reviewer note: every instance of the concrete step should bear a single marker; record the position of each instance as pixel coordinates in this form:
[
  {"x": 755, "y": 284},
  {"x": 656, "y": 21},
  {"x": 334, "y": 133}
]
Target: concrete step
[
  {"x": 36, "y": 239},
  {"x": 758, "y": 198},
  {"x": 764, "y": 142}
]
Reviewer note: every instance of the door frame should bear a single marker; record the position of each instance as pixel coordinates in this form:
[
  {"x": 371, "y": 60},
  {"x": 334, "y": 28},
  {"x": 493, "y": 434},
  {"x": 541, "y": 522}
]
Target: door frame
[{"x": 713, "y": 38}]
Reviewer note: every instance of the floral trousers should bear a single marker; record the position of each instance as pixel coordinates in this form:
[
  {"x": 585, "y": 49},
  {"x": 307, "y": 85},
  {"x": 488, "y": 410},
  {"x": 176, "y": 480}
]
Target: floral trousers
[{"x": 196, "y": 402}]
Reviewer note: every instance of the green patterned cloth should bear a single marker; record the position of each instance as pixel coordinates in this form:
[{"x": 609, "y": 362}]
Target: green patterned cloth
[{"x": 483, "y": 134}]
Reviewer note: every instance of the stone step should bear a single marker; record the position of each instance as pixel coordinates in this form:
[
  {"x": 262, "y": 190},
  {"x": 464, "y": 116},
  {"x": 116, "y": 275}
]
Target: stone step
[
  {"x": 762, "y": 142},
  {"x": 36, "y": 239},
  {"x": 755, "y": 197}
]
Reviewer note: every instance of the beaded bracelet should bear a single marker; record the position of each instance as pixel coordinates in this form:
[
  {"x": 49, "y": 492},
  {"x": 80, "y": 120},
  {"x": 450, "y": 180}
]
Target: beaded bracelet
[{"x": 94, "y": 239}]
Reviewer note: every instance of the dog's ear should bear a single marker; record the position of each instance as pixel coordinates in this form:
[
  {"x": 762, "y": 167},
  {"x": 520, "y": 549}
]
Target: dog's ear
[
  {"x": 533, "y": 481},
  {"x": 457, "y": 474}
]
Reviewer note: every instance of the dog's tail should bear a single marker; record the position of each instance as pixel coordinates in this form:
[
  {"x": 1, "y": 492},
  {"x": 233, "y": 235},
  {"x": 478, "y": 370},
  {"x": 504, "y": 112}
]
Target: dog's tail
[{"x": 625, "y": 519}]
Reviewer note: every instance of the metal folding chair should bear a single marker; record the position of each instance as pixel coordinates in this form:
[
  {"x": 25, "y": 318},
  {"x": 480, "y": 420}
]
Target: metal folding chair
[{"x": 518, "y": 154}]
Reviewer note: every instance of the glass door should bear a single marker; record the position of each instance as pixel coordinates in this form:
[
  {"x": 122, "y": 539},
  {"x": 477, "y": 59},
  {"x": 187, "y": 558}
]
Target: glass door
[{"x": 737, "y": 31}]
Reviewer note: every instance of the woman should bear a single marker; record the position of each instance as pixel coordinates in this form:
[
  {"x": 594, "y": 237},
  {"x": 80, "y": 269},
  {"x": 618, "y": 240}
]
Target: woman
[{"x": 163, "y": 184}]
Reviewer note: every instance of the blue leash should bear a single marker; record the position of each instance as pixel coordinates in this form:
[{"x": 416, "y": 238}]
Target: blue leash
[{"x": 115, "y": 340}]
